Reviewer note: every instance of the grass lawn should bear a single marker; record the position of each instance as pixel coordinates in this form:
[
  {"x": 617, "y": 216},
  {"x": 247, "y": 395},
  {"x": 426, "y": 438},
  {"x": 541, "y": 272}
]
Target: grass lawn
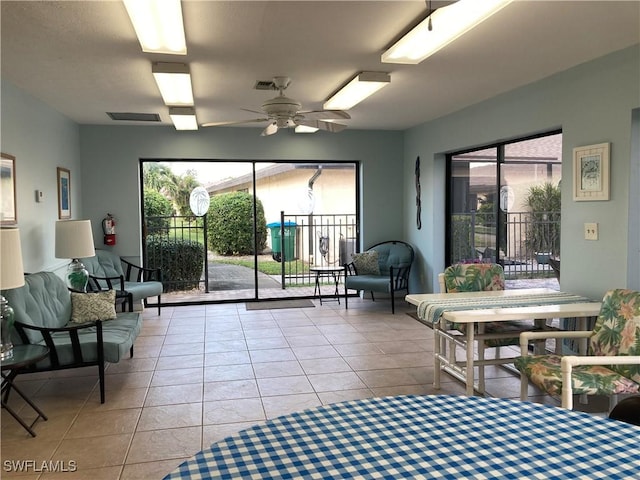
[{"x": 270, "y": 267}]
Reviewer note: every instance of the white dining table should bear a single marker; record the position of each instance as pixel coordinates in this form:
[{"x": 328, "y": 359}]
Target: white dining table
[{"x": 477, "y": 308}]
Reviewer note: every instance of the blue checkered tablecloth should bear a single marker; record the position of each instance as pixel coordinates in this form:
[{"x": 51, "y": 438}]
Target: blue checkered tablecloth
[{"x": 437, "y": 436}]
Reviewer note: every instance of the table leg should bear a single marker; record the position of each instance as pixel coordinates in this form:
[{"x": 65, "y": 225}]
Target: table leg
[
  {"x": 336, "y": 280},
  {"x": 481, "y": 358},
  {"x": 317, "y": 287},
  {"x": 7, "y": 385},
  {"x": 436, "y": 355},
  {"x": 471, "y": 327}
]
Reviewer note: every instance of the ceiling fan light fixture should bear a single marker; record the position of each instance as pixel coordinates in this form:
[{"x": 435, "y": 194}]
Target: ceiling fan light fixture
[
  {"x": 449, "y": 22},
  {"x": 360, "y": 87},
  {"x": 174, "y": 82},
  {"x": 158, "y": 25},
  {"x": 183, "y": 118},
  {"x": 305, "y": 129}
]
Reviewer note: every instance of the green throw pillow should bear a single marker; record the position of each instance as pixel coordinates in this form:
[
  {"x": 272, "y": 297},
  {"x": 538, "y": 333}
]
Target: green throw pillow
[
  {"x": 87, "y": 307},
  {"x": 366, "y": 263}
]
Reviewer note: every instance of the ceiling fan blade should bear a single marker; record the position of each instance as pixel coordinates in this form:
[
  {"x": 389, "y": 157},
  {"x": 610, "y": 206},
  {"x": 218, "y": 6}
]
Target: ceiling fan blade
[
  {"x": 270, "y": 130},
  {"x": 252, "y": 111},
  {"x": 238, "y": 122},
  {"x": 328, "y": 126},
  {"x": 326, "y": 115}
]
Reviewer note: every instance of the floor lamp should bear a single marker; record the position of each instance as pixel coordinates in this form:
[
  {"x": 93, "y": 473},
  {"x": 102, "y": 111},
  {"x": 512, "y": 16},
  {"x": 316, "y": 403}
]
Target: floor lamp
[
  {"x": 11, "y": 276},
  {"x": 74, "y": 239}
]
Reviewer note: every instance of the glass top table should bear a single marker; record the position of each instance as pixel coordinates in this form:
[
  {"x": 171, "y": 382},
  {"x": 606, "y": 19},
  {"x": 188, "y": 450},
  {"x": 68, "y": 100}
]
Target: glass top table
[{"x": 327, "y": 271}]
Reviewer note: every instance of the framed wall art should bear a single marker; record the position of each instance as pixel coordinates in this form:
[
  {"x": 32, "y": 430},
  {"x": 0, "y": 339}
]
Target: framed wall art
[
  {"x": 64, "y": 193},
  {"x": 9, "y": 211},
  {"x": 591, "y": 172}
]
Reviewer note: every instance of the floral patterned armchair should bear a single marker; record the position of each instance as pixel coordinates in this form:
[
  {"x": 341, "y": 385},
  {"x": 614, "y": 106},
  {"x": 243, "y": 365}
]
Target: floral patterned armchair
[{"x": 612, "y": 365}]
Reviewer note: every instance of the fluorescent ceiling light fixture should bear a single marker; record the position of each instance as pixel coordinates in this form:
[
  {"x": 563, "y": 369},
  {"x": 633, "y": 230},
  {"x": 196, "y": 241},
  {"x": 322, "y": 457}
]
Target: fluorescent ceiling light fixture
[
  {"x": 183, "y": 118},
  {"x": 174, "y": 82},
  {"x": 158, "y": 25},
  {"x": 448, "y": 23},
  {"x": 305, "y": 129},
  {"x": 362, "y": 86}
]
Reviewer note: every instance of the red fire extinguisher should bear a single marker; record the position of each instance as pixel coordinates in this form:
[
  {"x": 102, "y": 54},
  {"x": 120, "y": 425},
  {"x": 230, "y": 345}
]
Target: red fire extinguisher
[{"x": 109, "y": 229}]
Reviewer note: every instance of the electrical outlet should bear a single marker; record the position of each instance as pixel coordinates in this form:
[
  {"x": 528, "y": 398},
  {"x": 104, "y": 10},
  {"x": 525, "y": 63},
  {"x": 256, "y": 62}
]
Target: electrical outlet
[{"x": 591, "y": 231}]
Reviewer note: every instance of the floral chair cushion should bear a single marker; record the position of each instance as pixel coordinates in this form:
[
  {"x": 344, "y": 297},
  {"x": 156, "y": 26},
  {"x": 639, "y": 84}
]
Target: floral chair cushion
[
  {"x": 474, "y": 277},
  {"x": 544, "y": 372},
  {"x": 478, "y": 277},
  {"x": 617, "y": 332}
]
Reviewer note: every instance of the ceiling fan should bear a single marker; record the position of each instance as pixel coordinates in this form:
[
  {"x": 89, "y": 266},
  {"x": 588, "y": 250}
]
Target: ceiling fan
[{"x": 285, "y": 112}]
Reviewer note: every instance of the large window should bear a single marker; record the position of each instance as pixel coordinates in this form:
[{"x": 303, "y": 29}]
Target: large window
[{"x": 503, "y": 204}]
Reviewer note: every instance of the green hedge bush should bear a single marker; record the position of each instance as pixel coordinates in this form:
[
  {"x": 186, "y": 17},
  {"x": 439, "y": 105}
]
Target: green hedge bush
[
  {"x": 156, "y": 206},
  {"x": 230, "y": 220},
  {"x": 180, "y": 261}
]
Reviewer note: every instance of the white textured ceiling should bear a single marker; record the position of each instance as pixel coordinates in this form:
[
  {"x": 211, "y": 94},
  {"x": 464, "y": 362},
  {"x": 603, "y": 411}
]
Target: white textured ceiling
[{"x": 83, "y": 58}]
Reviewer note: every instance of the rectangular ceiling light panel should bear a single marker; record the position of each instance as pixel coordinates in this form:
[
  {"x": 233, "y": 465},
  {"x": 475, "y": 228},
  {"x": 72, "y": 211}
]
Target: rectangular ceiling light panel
[
  {"x": 183, "y": 118},
  {"x": 158, "y": 25},
  {"x": 448, "y": 23},
  {"x": 174, "y": 82},
  {"x": 362, "y": 86}
]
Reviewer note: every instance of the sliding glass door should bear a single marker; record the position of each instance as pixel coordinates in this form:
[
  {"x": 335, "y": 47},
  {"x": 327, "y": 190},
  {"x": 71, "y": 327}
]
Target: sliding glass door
[{"x": 267, "y": 223}]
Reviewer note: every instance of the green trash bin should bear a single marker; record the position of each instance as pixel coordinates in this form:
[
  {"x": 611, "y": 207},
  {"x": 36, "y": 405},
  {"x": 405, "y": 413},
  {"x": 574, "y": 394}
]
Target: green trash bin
[{"x": 289, "y": 241}]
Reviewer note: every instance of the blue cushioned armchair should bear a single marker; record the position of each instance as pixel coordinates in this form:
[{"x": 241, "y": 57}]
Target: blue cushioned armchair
[
  {"x": 384, "y": 267},
  {"x": 139, "y": 283}
]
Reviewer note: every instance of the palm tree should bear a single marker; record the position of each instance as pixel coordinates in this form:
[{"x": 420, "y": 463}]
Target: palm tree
[{"x": 157, "y": 176}]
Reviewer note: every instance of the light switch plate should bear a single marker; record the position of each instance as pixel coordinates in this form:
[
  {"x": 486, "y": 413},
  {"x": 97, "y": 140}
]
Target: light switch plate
[{"x": 591, "y": 231}]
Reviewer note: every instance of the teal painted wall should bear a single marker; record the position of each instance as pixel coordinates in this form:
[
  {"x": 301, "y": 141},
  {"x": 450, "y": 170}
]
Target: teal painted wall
[
  {"x": 41, "y": 139},
  {"x": 110, "y": 160},
  {"x": 592, "y": 103}
]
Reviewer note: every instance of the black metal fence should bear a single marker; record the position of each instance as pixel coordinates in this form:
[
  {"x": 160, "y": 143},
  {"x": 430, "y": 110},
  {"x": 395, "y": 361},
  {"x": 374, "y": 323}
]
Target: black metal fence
[
  {"x": 312, "y": 240},
  {"x": 525, "y": 241}
]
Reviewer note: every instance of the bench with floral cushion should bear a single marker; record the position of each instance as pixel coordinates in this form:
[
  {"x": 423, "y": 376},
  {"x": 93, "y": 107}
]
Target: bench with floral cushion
[
  {"x": 384, "y": 267},
  {"x": 80, "y": 329},
  {"x": 612, "y": 363}
]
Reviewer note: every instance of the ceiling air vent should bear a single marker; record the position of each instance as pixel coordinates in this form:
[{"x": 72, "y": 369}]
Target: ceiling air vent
[
  {"x": 134, "y": 117},
  {"x": 263, "y": 85}
]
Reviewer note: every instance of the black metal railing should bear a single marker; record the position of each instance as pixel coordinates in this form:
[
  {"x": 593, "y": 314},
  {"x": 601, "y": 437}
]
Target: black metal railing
[
  {"x": 525, "y": 244},
  {"x": 326, "y": 240}
]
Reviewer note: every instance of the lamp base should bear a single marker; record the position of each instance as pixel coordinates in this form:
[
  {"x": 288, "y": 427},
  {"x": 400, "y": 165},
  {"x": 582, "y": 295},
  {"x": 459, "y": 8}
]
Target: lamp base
[
  {"x": 6, "y": 326},
  {"x": 77, "y": 276}
]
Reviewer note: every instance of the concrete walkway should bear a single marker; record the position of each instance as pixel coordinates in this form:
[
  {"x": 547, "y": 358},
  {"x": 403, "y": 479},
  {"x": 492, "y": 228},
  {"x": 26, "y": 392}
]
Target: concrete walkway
[{"x": 223, "y": 276}]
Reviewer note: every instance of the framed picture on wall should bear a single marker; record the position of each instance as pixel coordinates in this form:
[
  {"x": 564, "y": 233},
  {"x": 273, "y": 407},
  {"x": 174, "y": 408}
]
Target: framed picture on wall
[
  {"x": 64, "y": 193},
  {"x": 9, "y": 212},
  {"x": 591, "y": 172}
]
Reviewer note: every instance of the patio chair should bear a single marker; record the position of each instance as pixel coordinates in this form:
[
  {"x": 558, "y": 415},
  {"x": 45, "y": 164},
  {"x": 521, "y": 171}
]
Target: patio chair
[
  {"x": 611, "y": 365},
  {"x": 627, "y": 410},
  {"x": 134, "y": 283},
  {"x": 478, "y": 277},
  {"x": 384, "y": 267}
]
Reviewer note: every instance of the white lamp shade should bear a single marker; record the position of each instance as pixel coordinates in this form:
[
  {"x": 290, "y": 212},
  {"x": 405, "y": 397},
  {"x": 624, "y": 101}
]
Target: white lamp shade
[
  {"x": 11, "y": 269},
  {"x": 74, "y": 239}
]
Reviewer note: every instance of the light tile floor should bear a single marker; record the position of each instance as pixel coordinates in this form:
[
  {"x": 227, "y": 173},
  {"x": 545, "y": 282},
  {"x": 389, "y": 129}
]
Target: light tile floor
[{"x": 201, "y": 373}]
